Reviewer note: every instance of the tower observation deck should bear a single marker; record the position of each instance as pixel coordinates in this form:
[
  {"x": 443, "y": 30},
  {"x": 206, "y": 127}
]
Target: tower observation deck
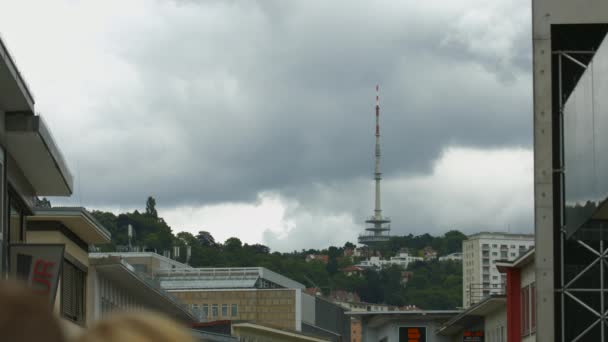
[{"x": 377, "y": 226}]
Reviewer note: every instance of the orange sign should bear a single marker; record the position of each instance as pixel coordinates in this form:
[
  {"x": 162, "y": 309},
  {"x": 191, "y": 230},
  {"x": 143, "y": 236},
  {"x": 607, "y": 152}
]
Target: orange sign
[{"x": 412, "y": 334}]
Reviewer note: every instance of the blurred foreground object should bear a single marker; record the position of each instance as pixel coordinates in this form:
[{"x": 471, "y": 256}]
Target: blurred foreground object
[{"x": 26, "y": 316}]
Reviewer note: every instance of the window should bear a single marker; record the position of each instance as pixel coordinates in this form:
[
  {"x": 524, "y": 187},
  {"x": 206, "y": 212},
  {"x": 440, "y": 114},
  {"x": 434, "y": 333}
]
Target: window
[
  {"x": 214, "y": 310},
  {"x": 494, "y": 253},
  {"x": 512, "y": 246},
  {"x": 495, "y": 277},
  {"x": 503, "y": 255},
  {"x": 195, "y": 311},
  {"x": 16, "y": 221},
  {"x": 224, "y": 310},
  {"x": 494, "y": 246},
  {"x": 533, "y": 307},
  {"x": 513, "y": 254},
  {"x": 72, "y": 293},
  {"x": 234, "y": 310},
  {"x": 205, "y": 311},
  {"x": 525, "y": 311}
]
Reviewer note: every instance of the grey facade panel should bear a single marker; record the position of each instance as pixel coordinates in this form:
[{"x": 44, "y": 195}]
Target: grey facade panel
[{"x": 332, "y": 317}]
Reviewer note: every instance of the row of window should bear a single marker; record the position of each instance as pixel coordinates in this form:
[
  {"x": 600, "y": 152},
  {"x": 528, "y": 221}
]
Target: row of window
[
  {"x": 202, "y": 311},
  {"x": 528, "y": 309},
  {"x": 485, "y": 246}
]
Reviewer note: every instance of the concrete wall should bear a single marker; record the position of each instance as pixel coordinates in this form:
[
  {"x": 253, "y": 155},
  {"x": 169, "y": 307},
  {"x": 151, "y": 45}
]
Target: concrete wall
[
  {"x": 308, "y": 309},
  {"x": 271, "y": 307},
  {"x": 495, "y": 326}
]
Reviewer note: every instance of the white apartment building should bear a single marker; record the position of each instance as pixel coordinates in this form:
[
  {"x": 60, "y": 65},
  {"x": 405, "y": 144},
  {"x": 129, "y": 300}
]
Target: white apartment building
[
  {"x": 480, "y": 277},
  {"x": 451, "y": 257}
]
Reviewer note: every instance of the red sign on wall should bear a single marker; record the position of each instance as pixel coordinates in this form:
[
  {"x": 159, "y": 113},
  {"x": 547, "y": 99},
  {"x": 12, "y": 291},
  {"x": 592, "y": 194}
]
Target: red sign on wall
[{"x": 38, "y": 265}]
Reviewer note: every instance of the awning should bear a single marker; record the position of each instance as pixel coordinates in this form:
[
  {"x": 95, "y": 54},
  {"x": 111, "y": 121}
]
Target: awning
[
  {"x": 123, "y": 275},
  {"x": 14, "y": 93},
  {"x": 78, "y": 220},
  {"x": 473, "y": 315},
  {"x": 32, "y": 146}
]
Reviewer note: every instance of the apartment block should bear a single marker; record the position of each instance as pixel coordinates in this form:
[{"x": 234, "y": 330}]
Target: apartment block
[{"x": 480, "y": 252}]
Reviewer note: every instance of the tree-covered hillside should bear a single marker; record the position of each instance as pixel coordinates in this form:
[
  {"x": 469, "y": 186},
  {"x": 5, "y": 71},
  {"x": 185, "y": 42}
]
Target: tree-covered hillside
[{"x": 432, "y": 285}]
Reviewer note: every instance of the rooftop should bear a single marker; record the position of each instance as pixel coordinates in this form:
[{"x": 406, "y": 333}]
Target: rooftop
[
  {"x": 15, "y": 95},
  {"x": 77, "y": 219},
  {"x": 472, "y": 315},
  {"x": 224, "y": 278},
  {"x": 127, "y": 255},
  {"x": 119, "y": 271},
  {"x": 500, "y": 235}
]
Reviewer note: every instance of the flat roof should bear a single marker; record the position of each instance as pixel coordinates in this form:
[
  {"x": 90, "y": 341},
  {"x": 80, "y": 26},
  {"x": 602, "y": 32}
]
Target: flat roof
[
  {"x": 521, "y": 261},
  {"x": 379, "y": 319},
  {"x": 276, "y": 331},
  {"x": 31, "y": 144},
  {"x": 472, "y": 315},
  {"x": 224, "y": 277},
  {"x": 127, "y": 255},
  {"x": 500, "y": 235},
  {"x": 77, "y": 219},
  {"x": 15, "y": 95},
  {"x": 405, "y": 312}
]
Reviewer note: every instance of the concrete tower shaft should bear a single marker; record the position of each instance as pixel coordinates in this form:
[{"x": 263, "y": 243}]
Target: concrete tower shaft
[
  {"x": 378, "y": 225},
  {"x": 378, "y": 174}
]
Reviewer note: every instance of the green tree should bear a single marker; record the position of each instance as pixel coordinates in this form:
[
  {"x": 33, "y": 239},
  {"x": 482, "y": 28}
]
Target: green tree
[{"x": 151, "y": 207}]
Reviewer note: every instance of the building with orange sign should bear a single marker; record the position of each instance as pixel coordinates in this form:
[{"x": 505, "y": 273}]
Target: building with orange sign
[{"x": 398, "y": 326}]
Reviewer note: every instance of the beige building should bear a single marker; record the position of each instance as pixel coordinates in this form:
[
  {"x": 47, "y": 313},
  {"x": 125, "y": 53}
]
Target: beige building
[
  {"x": 480, "y": 252},
  {"x": 76, "y": 229},
  {"x": 253, "y": 294},
  {"x": 271, "y": 307}
]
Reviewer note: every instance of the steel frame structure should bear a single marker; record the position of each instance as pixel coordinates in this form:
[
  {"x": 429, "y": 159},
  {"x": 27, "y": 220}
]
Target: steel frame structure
[{"x": 568, "y": 288}]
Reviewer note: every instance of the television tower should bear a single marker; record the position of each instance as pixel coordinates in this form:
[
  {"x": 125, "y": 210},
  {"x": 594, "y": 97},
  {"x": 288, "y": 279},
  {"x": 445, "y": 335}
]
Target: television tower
[{"x": 378, "y": 226}]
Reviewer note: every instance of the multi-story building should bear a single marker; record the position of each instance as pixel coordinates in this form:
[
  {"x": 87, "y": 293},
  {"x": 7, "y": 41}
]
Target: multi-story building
[
  {"x": 252, "y": 294},
  {"x": 31, "y": 164},
  {"x": 480, "y": 277}
]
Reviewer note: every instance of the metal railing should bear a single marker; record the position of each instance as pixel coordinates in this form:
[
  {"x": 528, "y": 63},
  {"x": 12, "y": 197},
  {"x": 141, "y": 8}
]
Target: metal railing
[{"x": 479, "y": 291}]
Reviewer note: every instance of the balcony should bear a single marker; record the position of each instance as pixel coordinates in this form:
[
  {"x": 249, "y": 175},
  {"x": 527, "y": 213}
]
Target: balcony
[{"x": 372, "y": 239}]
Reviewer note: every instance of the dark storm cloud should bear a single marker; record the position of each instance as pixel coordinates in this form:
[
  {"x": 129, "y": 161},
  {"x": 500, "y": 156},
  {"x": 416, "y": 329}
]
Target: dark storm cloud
[{"x": 222, "y": 100}]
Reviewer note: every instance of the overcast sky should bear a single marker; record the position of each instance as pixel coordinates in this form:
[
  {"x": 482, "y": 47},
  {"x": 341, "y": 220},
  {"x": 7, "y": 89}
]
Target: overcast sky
[{"x": 255, "y": 119}]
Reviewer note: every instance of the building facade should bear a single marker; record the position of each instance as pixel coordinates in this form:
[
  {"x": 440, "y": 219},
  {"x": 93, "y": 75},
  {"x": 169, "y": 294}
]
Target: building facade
[
  {"x": 117, "y": 286},
  {"x": 480, "y": 252},
  {"x": 569, "y": 69},
  {"x": 397, "y": 326},
  {"x": 31, "y": 164},
  {"x": 76, "y": 229},
  {"x": 521, "y": 297},
  {"x": 253, "y": 294}
]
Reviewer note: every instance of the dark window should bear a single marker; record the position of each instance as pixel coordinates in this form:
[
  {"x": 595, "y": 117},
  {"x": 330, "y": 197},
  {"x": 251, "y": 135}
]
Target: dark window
[
  {"x": 224, "y": 310},
  {"x": 234, "y": 310},
  {"x": 214, "y": 310},
  {"x": 525, "y": 311},
  {"x": 16, "y": 221},
  {"x": 533, "y": 307},
  {"x": 72, "y": 293},
  {"x": 205, "y": 310}
]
